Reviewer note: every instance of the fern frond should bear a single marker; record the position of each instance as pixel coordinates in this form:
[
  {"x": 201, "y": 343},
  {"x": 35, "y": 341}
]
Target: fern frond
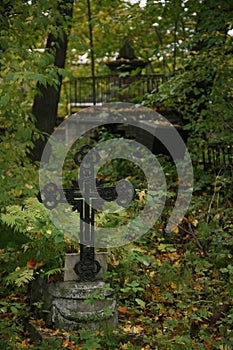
[
  {"x": 20, "y": 277},
  {"x": 54, "y": 271},
  {"x": 20, "y": 218}
]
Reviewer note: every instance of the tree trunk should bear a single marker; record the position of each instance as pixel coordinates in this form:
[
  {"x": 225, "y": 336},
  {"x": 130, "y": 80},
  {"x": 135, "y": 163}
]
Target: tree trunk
[{"x": 46, "y": 100}]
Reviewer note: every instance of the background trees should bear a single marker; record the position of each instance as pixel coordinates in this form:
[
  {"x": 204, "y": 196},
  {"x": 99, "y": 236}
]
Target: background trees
[
  {"x": 27, "y": 69},
  {"x": 174, "y": 291},
  {"x": 202, "y": 91},
  {"x": 174, "y": 35},
  {"x": 46, "y": 100}
]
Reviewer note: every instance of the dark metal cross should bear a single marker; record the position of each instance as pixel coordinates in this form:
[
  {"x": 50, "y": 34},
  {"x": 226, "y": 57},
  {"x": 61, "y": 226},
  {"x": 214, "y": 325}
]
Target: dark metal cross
[{"x": 87, "y": 268}]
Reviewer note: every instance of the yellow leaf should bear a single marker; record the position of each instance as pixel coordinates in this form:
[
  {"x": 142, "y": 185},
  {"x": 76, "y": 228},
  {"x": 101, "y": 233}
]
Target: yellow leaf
[
  {"x": 141, "y": 196},
  {"x": 152, "y": 273},
  {"x": 195, "y": 222},
  {"x": 24, "y": 344},
  {"x": 175, "y": 229},
  {"x": 173, "y": 285},
  {"x": 133, "y": 329},
  {"x": 65, "y": 343},
  {"x": 137, "y": 329},
  {"x": 29, "y": 186},
  {"x": 113, "y": 260}
]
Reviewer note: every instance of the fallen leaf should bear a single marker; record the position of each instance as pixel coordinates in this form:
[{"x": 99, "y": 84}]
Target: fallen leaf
[
  {"x": 141, "y": 196},
  {"x": 31, "y": 264},
  {"x": 66, "y": 343},
  {"x": 123, "y": 309},
  {"x": 175, "y": 229}
]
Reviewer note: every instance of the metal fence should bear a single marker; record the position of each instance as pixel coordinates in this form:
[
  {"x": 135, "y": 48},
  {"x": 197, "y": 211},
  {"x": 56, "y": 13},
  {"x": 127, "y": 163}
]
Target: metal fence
[
  {"x": 212, "y": 156},
  {"x": 79, "y": 92},
  {"x": 217, "y": 155}
]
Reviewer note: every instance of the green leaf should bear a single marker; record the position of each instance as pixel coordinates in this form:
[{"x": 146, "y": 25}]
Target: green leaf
[
  {"x": 140, "y": 302},
  {"x": 14, "y": 309}
]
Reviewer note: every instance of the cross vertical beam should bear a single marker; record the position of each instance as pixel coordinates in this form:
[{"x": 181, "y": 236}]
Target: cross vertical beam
[{"x": 87, "y": 268}]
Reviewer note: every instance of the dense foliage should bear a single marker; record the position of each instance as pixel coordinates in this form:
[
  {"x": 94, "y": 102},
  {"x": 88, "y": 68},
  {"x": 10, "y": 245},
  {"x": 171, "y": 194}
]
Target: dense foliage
[
  {"x": 202, "y": 90},
  {"x": 174, "y": 290}
]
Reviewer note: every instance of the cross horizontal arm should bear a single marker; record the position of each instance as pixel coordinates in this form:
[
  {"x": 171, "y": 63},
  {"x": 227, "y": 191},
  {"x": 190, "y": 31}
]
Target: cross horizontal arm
[{"x": 51, "y": 196}]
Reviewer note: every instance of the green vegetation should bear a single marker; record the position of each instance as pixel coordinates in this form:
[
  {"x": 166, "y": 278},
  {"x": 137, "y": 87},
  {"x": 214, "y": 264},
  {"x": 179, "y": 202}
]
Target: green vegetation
[{"x": 174, "y": 290}]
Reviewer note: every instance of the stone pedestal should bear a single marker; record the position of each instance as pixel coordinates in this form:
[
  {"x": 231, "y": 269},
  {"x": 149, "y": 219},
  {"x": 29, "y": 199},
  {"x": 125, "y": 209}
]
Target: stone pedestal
[{"x": 74, "y": 305}]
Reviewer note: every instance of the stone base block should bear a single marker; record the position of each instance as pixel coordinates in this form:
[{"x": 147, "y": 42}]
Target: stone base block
[{"x": 76, "y": 305}]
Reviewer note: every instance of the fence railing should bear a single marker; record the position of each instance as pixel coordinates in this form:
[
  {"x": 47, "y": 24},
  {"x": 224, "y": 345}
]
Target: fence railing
[
  {"x": 79, "y": 92},
  {"x": 214, "y": 156},
  {"x": 110, "y": 88},
  {"x": 217, "y": 155}
]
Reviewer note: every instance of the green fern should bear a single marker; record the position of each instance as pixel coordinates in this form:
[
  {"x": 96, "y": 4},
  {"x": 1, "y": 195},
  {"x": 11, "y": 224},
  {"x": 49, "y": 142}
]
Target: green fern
[
  {"x": 52, "y": 272},
  {"x": 20, "y": 277},
  {"x": 20, "y": 218}
]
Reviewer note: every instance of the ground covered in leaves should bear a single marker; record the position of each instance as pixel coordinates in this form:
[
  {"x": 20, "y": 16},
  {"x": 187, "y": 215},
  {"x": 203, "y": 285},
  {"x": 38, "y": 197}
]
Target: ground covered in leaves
[
  {"x": 164, "y": 302},
  {"x": 174, "y": 291}
]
